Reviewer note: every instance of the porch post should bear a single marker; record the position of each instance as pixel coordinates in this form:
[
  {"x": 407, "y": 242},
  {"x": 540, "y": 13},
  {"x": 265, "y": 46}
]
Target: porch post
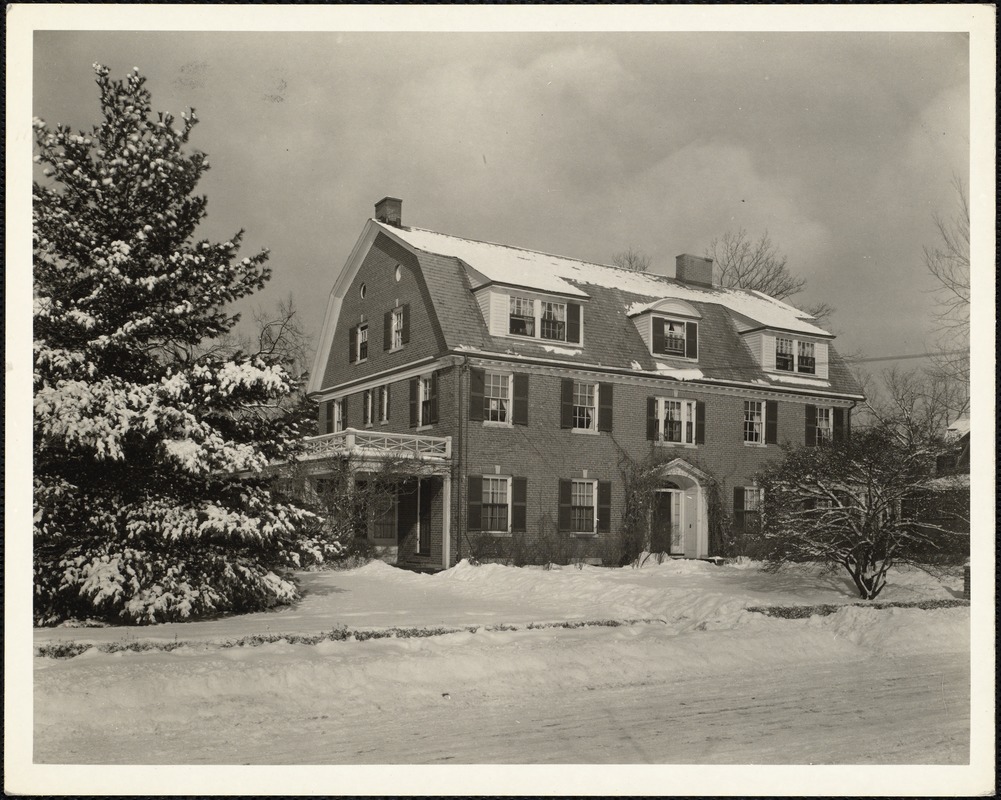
[{"x": 446, "y": 520}]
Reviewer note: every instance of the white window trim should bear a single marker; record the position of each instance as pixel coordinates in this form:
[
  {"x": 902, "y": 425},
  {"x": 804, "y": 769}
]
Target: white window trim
[
  {"x": 593, "y": 533},
  {"x": 396, "y": 312},
  {"x": 764, "y": 422},
  {"x": 421, "y": 424},
  {"x": 368, "y": 407},
  {"x": 510, "y": 508},
  {"x": 692, "y": 406},
  {"x": 682, "y": 320},
  {"x": 358, "y": 331},
  {"x": 830, "y": 425},
  {"x": 382, "y": 393},
  {"x": 490, "y": 423},
  {"x": 337, "y": 409},
  {"x": 795, "y": 356},
  {"x": 537, "y": 316},
  {"x": 593, "y": 430}
]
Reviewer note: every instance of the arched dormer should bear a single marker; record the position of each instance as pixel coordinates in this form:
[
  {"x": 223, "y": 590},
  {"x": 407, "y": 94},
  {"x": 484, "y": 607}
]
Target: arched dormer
[{"x": 669, "y": 327}]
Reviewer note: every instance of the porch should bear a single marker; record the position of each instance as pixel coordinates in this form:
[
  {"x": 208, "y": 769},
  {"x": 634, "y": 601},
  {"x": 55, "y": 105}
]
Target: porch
[{"x": 396, "y": 487}]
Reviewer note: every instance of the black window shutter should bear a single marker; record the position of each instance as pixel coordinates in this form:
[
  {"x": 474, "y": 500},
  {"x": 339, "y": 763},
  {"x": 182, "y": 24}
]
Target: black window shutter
[
  {"x": 414, "y": 405},
  {"x": 604, "y": 506},
  {"x": 738, "y": 508},
  {"x": 691, "y": 339},
  {"x": 434, "y": 399},
  {"x": 565, "y": 516},
  {"x": 321, "y": 423},
  {"x": 406, "y": 323},
  {"x": 352, "y": 344},
  {"x": 771, "y": 422},
  {"x": 604, "y": 406},
  {"x": 519, "y": 502},
  {"x": 652, "y": 423},
  {"x": 573, "y": 322},
  {"x": 477, "y": 380},
  {"x": 475, "y": 503},
  {"x": 700, "y": 422},
  {"x": 519, "y": 415},
  {"x": 811, "y": 426},
  {"x": 658, "y": 335},
  {"x": 387, "y": 330},
  {"x": 566, "y": 403},
  {"x": 839, "y": 424}
]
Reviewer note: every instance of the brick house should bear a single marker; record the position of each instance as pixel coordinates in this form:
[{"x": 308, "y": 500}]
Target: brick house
[{"x": 521, "y": 383}]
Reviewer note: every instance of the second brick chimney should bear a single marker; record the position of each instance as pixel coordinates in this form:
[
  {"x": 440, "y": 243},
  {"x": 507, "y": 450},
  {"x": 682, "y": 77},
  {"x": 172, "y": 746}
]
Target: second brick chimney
[
  {"x": 694, "y": 269},
  {"x": 390, "y": 211}
]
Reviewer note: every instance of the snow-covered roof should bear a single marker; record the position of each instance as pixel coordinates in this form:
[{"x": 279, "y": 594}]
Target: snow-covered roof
[
  {"x": 961, "y": 426},
  {"x": 559, "y": 275}
]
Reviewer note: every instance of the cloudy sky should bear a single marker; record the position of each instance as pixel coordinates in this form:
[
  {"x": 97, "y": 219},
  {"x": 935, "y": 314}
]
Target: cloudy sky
[{"x": 843, "y": 146}]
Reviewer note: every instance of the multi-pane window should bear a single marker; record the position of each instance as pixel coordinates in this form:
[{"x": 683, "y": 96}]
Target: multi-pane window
[
  {"x": 397, "y": 327},
  {"x": 522, "y": 316},
  {"x": 425, "y": 388},
  {"x": 806, "y": 362},
  {"x": 582, "y": 506},
  {"x": 793, "y": 355},
  {"x": 677, "y": 421},
  {"x": 383, "y": 404},
  {"x": 754, "y": 421},
  {"x": 496, "y": 396},
  {"x": 554, "y": 321},
  {"x": 363, "y": 342},
  {"x": 674, "y": 338},
  {"x": 384, "y": 511},
  {"x": 366, "y": 407},
  {"x": 784, "y": 354},
  {"x": 825, "y": 429},
  {"x": 495, "y": 504},
  {"x": 753, "y": 499},
  {"x": 584, "y": 411}
]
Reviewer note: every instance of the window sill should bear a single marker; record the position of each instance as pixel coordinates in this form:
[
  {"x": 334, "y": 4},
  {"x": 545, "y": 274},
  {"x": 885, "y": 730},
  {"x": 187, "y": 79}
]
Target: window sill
[
  {"x": 383, "y": 422},
  {"x": 584, "y": 431},
  {"x": 543, "y": 340},
  {"x": 674, "y": 357},
  {"x": 361, "y": 361},
  {"x": 756, "y": 444},
  {"x": 488, "y": 423},
  {"x": 395, "y": 349},
  {"x": 661, "y": 443},
  {"x": 427, "y": 427},
  {"x": 498, "y": 534},
  {"x": 583, "y": 535},
  {"x": 368, "y": 425}
]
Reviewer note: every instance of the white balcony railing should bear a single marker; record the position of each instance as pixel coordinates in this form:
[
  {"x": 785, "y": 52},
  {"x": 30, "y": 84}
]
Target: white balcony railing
[{"x": 373, "y": 444}]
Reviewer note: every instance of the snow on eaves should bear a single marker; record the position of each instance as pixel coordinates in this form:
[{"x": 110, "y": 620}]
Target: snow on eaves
[
  {"x": 545, "y": 272},
  {"x": 819, "y": 383}
]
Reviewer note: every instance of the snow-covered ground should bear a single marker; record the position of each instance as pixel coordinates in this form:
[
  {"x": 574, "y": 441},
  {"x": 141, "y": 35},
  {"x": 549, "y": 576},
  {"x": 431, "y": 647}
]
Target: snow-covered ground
[{"x": 708, "y": 682}]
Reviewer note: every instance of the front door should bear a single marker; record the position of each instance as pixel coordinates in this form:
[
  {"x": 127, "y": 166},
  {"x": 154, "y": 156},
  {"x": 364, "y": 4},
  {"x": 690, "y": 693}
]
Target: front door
[{"x": 666, "y": 535}]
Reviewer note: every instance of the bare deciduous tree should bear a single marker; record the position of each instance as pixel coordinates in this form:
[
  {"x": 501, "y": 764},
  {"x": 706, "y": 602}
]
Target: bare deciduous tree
[
  {"x": 741, "y": 262},
  {"x": 949, "y": 263},
  {"x": 916, "y": 406},
  {"x": 632, "y": 259}
]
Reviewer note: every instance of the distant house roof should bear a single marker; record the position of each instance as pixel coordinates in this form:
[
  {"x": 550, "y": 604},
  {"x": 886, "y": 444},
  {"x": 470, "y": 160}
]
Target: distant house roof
[
  {"x": 960, "y": 427},
  {"x": 514, "y": 266}
]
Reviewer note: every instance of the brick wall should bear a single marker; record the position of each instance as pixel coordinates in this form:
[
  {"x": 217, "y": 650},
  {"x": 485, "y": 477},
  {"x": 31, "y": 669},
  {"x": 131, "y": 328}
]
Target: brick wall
[{"x": 382, "y": 293}]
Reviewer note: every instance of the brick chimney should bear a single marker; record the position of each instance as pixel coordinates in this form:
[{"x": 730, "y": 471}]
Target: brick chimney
[
  {"x": 390, "y": 211},
  {"x": 694, "y": 269}
]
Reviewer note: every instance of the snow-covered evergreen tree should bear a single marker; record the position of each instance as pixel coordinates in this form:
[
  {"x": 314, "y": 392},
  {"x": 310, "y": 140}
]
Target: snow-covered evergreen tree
[{"x": 149, "y": 444}]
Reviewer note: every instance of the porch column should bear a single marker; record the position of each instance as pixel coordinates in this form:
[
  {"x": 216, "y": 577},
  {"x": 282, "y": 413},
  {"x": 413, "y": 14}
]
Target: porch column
[{"x": 446, "y": 520}]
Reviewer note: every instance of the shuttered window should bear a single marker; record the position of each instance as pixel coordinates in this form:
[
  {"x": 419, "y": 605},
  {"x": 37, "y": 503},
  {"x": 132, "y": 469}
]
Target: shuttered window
[
  {"x": 754, "y": 422},
  {"x": 673, "y": 337}
]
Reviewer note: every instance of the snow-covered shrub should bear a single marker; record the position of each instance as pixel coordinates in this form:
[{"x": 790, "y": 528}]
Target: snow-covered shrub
[{"x": 151, "y": 441}]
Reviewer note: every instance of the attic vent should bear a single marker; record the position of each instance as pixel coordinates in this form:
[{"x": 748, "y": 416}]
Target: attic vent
[{"x": 390, "y": 211}]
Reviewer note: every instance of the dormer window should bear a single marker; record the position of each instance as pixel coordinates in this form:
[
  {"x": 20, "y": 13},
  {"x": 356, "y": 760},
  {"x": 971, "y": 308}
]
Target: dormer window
[
  {"x": 522, "y": 316},
  {"x": 673, "y": 337},
  {"x": 792, "y": 355}
]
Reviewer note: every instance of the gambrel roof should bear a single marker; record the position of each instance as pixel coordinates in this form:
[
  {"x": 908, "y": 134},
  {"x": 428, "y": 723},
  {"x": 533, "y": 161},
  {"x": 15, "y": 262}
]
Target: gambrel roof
[{"x": 454, "y": 268}]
